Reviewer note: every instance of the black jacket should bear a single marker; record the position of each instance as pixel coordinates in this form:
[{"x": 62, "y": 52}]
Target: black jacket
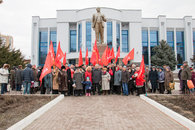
[
  {"x": 153, "y": 76},
  {"x": 96, "y": 75}
]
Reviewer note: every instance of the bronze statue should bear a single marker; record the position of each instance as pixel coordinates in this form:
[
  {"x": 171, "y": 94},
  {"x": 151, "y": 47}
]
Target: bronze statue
[{"x": 98, "y": 25}]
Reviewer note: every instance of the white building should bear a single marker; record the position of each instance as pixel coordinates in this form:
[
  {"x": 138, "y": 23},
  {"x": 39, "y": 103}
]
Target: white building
[{"x": 124, "y": 28}]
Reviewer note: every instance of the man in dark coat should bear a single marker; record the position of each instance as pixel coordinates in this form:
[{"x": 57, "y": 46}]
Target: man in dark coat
[
  {"x": 63, "y": 81},
  {"x": 70, "y": 89},
  {"x": 186, "y": 74},
  {"x": 96, "y": 79},
  {"x": 153, "y": 77},
  {"x": 125, "y": 80},
  {"x": 18, "y": 78},
  {"x": 27, "y": 78}
]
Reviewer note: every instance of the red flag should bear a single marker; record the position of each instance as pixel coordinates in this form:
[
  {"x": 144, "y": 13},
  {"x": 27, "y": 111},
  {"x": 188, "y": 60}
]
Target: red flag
[
  {"x": 142, "y": 71},
  {"x": 80, "y": 58},
  {"x": 64, "y": 60},
  {"x": 47, "y": 67},
  {"x": 129, "y": 57},
  {"x": 95, "y": 55},
  {"x": 118, "y": 54},
  {"x": 108, "y": 54},
  {"x": 59, "y": 56},
  {"x": 104, "y": 57},
  {"x": 86, "y": 58},
  {"x": 51, "y": 51},
  {"x": 111, "y": 55}
]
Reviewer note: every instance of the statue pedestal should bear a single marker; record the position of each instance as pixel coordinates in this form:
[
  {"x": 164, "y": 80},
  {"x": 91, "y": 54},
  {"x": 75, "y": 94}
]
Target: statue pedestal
[{"x": 101, "y": 48}]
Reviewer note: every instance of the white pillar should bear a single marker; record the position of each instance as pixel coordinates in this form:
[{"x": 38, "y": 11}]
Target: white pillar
[
  {"x": 135, "y": 40},
  {"x": 105, "y": 32},
  {"x": 162, "y": 27},
  {"x": 120, "y": 37},
  {"x": 83, "y": 44},
  {"x": 188, "y": 36}
]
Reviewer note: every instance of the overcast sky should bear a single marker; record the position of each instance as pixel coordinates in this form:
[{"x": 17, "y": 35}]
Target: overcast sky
[{"x": 16, "y": 15}]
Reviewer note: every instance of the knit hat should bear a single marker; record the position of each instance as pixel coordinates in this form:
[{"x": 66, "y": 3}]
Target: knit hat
[
  {"x": 87, "y": 78},
  {"x": 63, "y": 67}
]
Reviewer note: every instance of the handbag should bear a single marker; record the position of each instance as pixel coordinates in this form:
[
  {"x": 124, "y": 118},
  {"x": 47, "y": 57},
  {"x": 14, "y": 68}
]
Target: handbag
[
  {"x": 149, "y": 85},
  {"x": 190, "y": 84},
  {"x": 172, "y": 85},
  {"x": 74, "y": 85}
]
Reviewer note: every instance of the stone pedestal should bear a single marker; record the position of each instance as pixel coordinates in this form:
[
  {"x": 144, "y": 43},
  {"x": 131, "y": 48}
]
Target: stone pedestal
[{"x": 101, "y": 48}]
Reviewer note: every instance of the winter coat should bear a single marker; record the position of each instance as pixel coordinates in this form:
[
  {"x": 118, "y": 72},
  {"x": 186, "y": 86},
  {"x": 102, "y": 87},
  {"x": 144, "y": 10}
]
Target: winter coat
[
  {"x": 153, "y": 76},
  {"x": 88, "y": 74},
  {"x": 69, "y": 74},
  {"x": 63, "y": 81},
  {"x": 125, "y": 76},
  {"x": 179, "y": 74},
  {"x": 78, "y": 79},
  {"x": 161, "y": 77},
  {"x": 27, "y": 74},
  {"x": 4, "y": 73},
  {"x": 48, "y": 81},
  {"x": 35, "y": 73},
  {"x": 55, "y": 79},
  {"x": 186, "y": 73},
  {"x": 117, "y": 78},
  {"x": 87, "y": 84},
  {"x": 146, "y": 74},
  {"x": 12, "y": 77},
  {"x": 193, "y": 78},
  {"x": 138, "y": 82},
  {"x": 168, "y": 78},
  {"x": 96, "y": 75},
  {"x": 110, "y": 71},
  {"x": 18, "y": 77},
  {"x": 106, "y": 81}
]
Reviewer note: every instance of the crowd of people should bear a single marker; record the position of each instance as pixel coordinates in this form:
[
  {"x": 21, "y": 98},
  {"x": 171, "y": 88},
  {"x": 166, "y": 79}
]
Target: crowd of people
[{"x": 91, "y": 80}]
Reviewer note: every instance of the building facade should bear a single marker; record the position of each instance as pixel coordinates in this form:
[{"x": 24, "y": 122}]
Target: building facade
[
  {"x": 7, "y": 40},
  {"x": 124, "y": 28}
]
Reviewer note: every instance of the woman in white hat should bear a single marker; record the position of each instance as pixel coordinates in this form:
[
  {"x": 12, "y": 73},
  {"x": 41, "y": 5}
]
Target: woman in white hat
[{"x": 4, "y": 73}]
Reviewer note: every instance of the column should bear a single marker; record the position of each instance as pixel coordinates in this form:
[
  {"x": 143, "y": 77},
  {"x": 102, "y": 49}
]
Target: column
[
  {"x": 83, "y": 47},
  {"x": 149, "y": 52},
  {"x": 135, "y": 40},
  {"x": 114, "y": 35},
  {"x": 188, "y": 36},
  {"x": 105, "y": 32},
  {"x": 162, "y": 27},
  {"x": 121, "y": 37}
]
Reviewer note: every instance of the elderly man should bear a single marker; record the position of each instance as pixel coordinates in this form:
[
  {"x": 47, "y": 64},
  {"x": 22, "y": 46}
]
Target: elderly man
[
  {"x": 4, "y": 73},
  {"x": 96, "y": 79},
  {"x": 186, "y": 74}
]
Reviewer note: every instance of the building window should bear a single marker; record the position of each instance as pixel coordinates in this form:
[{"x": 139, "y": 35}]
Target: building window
[
  {"x": 125, "y": 46},
  {"x": 43, "y": 40},
  {"x": 109, "y": 34},
  {"x": 72, "y": 61},
  {"x": 153, "y": 40},
  {"x": 118, "y": 35},
  {"x": 73, "y": 35},
  {"x": 88, "y": 36},
  {"x": 145, "y": 46},
  {"x": 170, "y": 39},
  {"x": 53, "y": 38},
  {"x": 194, "y": 41},
  {"x": 180, "y": 47},
  {"x": 80, "y": 36}
]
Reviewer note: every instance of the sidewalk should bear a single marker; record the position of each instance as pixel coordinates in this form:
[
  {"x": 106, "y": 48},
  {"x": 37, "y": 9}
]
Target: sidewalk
[{"x": 104, "y": 112}]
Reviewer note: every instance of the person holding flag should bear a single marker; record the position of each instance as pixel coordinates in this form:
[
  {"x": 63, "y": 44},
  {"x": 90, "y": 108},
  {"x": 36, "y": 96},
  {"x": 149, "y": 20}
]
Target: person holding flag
[{"x": 139, "y": 77}]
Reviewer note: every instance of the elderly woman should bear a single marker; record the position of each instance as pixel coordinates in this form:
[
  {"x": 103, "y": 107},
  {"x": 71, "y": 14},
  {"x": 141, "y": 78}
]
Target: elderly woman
[
  {"x": 63, "y": 81},
  {"x": 78, "y": 80},
  {"x": 55, "y": 86},
  {"x": 4, "y": 73},
  {"x": 105, "y": 81},
  {"x": 168, "y": 79}
]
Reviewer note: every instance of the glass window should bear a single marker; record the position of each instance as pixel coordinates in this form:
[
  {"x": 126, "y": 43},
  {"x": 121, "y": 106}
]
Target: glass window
[
  {"x": 80, "y": 37},
  {"x": 109, "y": 34},
  {"x": 180, "y": 47},
  {"x": 53, "y": 38},
  {"x": 153, "y": 40},
  {"x": 88, "y": 36},
  {"x": 73, "y": 35},
  {"x": 170, "y": 39},
  {"x": 125, "y": 45},
  {"x": 118, "y": 35},
  {"x": 194, "y": 41},
  {"x": 145, "y": 46},
  {"x": 43, "y": 38},
  {"x": 72, "y": 61}
]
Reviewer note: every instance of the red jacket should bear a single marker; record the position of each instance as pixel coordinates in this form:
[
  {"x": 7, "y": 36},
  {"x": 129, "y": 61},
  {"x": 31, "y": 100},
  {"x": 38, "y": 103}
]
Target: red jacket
[
  {"x": 138, "y": 81},
  {"x": 88, "y": 74},
  {"x": 72, "y": 73}
]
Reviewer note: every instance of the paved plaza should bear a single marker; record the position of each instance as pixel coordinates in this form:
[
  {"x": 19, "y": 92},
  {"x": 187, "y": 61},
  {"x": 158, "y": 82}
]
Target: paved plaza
[{"x": 104, "y": 112}]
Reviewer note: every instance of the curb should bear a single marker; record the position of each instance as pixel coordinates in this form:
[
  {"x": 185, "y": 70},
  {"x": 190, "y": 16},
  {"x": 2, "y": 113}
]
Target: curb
[
  {"x": 179, "y": 118},
  {"x": 33, "y": 116}
]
